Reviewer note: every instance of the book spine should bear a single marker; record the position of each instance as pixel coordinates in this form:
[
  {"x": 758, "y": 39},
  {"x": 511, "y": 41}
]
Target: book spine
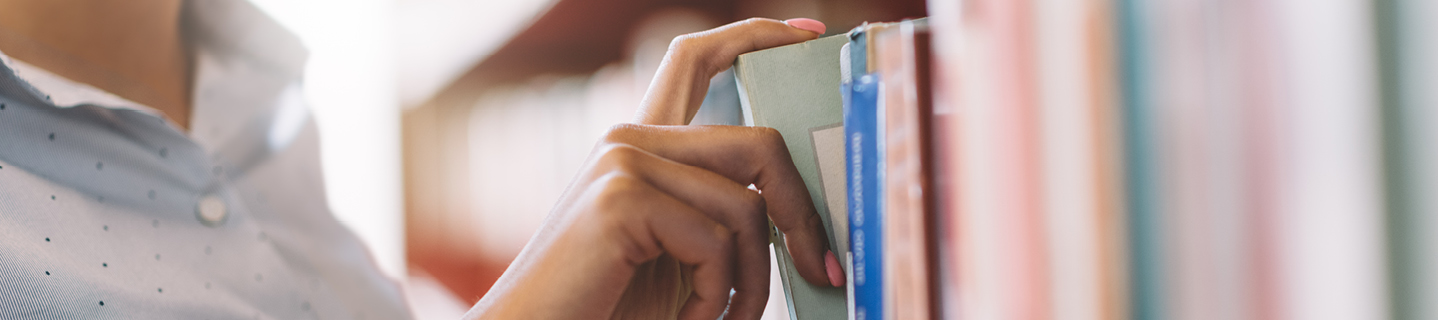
[
  {"x": 865, "y": 207},
  {"x": 846, "y": 86},
  {"x": 1142, "y": 189}
]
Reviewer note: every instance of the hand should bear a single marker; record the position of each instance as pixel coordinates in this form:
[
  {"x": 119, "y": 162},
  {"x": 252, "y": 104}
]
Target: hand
[{"x": 660, "y": 221}]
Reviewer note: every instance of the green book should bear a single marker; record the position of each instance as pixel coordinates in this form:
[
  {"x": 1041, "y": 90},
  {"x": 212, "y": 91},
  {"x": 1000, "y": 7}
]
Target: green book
[
  {"x": 1409, "y": 110},
  {"x": 795, "y": 90}
]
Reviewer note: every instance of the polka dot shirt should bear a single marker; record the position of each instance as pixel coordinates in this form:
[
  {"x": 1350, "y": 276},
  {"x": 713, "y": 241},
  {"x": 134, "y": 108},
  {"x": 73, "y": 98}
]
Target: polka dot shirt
[{"x": 108, "y": 211}]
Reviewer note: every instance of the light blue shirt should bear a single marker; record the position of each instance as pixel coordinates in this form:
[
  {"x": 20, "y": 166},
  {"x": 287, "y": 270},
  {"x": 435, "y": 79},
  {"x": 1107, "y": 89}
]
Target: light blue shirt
[{"x": 108, "y": 211}]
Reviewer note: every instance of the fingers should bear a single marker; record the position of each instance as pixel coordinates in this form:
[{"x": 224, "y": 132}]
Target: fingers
[
  {"x": 732, "y": 204},
  {"x": 746, "y": 155},
  {"x": 683, "y": 78},
  {"x": 696, "y": 241},
  {"x": 668, "y": 225},
  {"x": 715, "y": 49}
]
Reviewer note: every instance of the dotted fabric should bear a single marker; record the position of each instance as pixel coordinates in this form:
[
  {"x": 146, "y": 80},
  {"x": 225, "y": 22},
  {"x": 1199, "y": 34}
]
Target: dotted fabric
[{"x": 98, "y": 196}]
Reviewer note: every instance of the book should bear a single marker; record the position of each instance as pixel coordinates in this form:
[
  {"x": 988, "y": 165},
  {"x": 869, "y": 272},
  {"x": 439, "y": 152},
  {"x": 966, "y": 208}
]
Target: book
[
  {"x": 1142, "y": 189},
  {"x": 1078, "y": 149},
  {"x": 946, "y": 29},
  {"x": 866, "y": 218},
  {"x": 795, "y": 89},
  {"x": 899, "y": 55},
  {"x": 1408, "y": 42},
  {"x": 846, "y": 85},
  {"x": 1329, "y": 260},
  {"x": 996, "y": 213}
]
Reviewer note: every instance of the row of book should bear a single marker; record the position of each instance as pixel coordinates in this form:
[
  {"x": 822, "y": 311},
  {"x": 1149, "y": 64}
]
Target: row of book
[
  {"x": 856, "y": 124},
  {"x": 1086, "y": 159},
  {"x": 1189, "y": 159}
]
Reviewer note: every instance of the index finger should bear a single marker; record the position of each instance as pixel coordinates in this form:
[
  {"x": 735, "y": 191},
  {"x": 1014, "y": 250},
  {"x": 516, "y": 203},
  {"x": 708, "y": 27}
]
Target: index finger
[
  {"x": 747, "y": 155},
  {"x": 679, "y": 86}
]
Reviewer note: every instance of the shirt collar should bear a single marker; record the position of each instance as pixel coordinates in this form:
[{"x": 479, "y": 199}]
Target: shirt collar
[
  {"x": 232, "y": 30},
  {"x": 246, "y": 101}
]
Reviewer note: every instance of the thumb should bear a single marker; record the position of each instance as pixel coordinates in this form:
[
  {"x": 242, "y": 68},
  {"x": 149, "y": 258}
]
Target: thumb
[{"x": 683, "y": 78}]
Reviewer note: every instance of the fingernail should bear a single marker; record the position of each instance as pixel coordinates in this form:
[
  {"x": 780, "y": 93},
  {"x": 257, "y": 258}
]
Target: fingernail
[
  {"x": 831, "y": 264},
  {"x": 807, "y": 24}
]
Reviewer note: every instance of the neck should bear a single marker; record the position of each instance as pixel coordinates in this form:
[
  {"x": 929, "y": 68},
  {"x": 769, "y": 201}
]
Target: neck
[{"x": 133, "y": 49}]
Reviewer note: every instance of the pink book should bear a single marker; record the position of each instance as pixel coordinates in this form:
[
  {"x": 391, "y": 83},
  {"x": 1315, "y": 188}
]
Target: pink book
[{"x": 1002, "y": 258}]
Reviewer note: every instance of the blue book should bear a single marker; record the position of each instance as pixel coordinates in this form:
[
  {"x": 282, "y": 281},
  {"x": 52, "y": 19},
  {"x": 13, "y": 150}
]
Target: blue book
[
  {"x": 861, "y": 128},
  {"x": 864, "y": 158}
]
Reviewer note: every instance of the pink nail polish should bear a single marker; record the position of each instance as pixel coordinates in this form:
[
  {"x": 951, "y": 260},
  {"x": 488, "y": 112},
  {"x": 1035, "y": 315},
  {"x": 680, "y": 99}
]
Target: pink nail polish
[
  {"x": 831, "y": 265},
  {"x": 807, "y": 24}
]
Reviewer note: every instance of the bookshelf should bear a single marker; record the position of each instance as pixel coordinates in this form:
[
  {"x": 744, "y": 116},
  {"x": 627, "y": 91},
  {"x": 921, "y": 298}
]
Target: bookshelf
[{"x": 1091, "y": 159}]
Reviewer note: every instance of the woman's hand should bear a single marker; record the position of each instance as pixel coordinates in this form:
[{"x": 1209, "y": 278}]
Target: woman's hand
[{"x": 660, "y": 221}]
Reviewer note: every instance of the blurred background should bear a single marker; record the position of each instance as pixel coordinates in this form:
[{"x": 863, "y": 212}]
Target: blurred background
[
  {"x": 1105, "y": 159},
  {"x": 450, "y": 127}
]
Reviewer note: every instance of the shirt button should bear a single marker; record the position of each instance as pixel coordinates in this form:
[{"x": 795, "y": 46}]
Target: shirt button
[{"x": 211, "y": 210}]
